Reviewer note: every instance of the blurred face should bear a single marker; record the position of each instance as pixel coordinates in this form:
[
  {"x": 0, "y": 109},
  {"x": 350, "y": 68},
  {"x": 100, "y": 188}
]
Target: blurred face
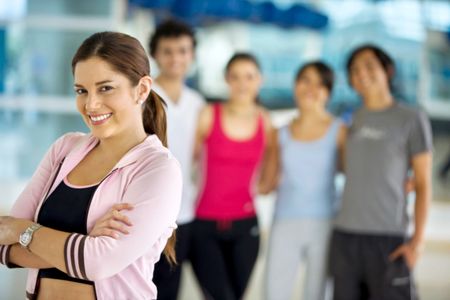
[
  {"x": 244, "y": 80},
  {"x": 367, "y": 74},
  {"x": 310, "y": 93},
  {"x": 108, "y": 103},
  {"x": 174, "y": 56}
]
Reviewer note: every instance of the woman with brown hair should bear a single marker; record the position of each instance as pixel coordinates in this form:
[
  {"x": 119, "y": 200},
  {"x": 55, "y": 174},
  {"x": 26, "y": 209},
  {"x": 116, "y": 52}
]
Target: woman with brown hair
[
  {"x": 64, "y": 226},
  {"x": 233, "y": 140},
  {"x": 308, "y": 148}
]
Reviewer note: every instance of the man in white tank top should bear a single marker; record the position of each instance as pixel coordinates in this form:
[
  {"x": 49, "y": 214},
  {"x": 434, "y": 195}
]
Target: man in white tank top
[{"x": 172, "y": 46}]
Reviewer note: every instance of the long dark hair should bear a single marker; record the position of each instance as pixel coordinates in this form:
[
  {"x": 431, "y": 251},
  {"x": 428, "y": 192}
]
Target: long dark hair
[{"x": 127, "y": 56}]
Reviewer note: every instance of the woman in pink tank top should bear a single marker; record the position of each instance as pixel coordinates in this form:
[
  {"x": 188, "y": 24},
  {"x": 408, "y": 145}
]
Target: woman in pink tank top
[{"x": 233, "y": 139}]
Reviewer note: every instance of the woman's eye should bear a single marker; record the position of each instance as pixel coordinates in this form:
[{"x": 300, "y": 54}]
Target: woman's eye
[
  {"x": 80, "y": 91},
  {"x": 105, "y": 88}
]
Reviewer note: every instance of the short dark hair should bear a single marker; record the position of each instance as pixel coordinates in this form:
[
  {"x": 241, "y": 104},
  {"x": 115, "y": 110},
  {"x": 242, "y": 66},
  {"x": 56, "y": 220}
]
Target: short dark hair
[
  {"x": 170, "y": 29},
  {"x": 242, "y": 56},
  {"x": 325, "y": 72},
  {"x": 385, "y": 60}
]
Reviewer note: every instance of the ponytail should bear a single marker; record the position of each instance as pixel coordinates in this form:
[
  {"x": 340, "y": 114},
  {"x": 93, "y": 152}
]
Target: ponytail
[
  {"x": 154, "y": 117},
  {"x": 169, "y": 250},
  {"x": 155, "y": 122}
]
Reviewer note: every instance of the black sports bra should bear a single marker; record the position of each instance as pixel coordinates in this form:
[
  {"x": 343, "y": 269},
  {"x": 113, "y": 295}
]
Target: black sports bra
[{"x": 66, "y": 209}]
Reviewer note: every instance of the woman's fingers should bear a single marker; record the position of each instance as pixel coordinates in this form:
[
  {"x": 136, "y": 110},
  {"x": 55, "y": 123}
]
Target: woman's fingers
[
  {"x": 116, "y": 225},
  {"x": 124, "y": 219},
  {"x": 110, "y": 228},
  {"x": 122, "y": 206},
  {"x": 113, "y": 222},
  {"x": 105, "y": 232},
  {"x": 117, "y": 215}
]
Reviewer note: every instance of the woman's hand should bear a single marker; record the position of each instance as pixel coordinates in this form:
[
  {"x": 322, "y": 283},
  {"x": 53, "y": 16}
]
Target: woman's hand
[
  {"x": 113, "y": 222},
  {"x": 11, "y": 228}
]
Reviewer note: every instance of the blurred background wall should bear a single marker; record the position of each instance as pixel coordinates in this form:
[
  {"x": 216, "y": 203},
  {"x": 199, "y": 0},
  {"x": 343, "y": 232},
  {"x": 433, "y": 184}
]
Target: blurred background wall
[{"x": 39, "y": 37}]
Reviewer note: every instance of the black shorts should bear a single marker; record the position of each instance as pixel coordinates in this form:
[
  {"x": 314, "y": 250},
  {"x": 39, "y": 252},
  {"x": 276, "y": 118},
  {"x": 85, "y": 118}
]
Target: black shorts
[{"x": 361, "y": 269}]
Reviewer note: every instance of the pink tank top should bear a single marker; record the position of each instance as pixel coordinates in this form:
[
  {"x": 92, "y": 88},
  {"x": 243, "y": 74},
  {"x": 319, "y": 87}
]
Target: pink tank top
[{"x": 229, "y": 169}]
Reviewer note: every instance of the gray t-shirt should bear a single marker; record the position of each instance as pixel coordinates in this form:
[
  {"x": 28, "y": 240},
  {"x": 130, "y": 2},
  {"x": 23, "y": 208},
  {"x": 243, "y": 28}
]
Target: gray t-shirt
[{"x": 380, "y": 147}]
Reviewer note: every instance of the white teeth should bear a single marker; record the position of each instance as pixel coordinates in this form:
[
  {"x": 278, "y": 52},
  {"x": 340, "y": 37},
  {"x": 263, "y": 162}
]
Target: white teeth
[{"x": 100, "y": 117}]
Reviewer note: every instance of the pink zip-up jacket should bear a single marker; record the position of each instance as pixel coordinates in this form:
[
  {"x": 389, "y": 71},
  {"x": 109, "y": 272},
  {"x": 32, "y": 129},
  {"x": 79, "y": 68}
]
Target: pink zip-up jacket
[{"x": 148, "y": 177}]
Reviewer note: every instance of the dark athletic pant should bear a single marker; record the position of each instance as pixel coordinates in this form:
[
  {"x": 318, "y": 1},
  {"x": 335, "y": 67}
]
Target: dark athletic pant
[
  {"x": 167, "y": 277},
  {"x": 223, "y": 256},
  {"x": 361, "y": 270}
]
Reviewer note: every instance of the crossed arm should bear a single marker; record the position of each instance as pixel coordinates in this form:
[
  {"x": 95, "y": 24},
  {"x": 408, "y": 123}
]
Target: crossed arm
[{"x": 47, "y": 247}]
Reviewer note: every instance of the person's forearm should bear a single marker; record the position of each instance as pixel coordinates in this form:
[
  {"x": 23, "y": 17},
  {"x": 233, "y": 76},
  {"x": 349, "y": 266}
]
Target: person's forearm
[
  {"x": 48, "y": 244},
  {"x": 22, "y": 257},
  {"x": 422, "y": 205},
  {"x": 268, "y": 179},
  {"x": 269, "y": 172},
  {"x": 265, "y": 187}
]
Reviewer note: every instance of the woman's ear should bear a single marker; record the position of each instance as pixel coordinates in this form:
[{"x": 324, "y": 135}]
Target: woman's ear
[{"x": 144, "y": 87}]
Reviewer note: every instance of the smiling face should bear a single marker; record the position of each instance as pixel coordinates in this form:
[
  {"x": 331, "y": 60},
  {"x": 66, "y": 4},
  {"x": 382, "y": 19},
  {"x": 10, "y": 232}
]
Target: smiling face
[
  {"x": 244, "y": 80},
  {"x": 107, "y": 101},
  {"x": 310, "y": 92},
  {"x": 174, "y": 55},
  {"x": 367, "y": 75}
]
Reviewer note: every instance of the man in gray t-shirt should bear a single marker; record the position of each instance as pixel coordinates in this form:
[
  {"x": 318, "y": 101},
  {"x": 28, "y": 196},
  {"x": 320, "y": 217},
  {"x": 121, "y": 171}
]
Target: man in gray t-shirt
[
  {"x": 372, "y": 256},
  {"x": 380, "y": 147}
]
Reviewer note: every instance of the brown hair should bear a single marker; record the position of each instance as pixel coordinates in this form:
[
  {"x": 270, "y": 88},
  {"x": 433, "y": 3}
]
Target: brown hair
[
  {"x": 242, "y": 56},
  {"x": 325, "y": 73},
  {"x": 127, "y": 56}
]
